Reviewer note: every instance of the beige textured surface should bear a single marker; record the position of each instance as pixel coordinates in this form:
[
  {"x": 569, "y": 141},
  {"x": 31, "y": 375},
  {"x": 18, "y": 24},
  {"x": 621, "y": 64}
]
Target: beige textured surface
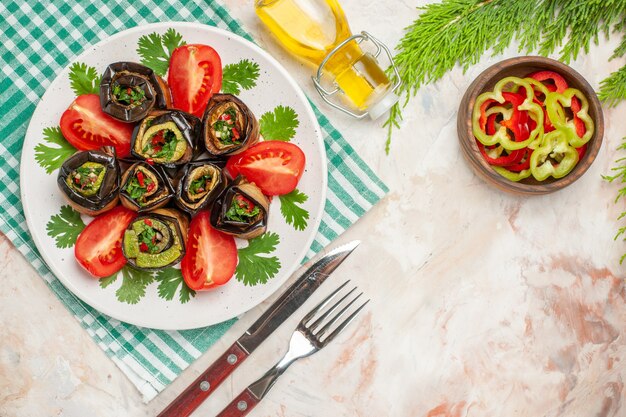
[{"x": 483, "y": 304}]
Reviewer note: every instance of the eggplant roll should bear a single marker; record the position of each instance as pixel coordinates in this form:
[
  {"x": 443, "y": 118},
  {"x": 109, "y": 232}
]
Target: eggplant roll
[
  {"x": 129, "y": 91},
  {"x": 228, "y": 126},
  {"x": 145, "y": 187},
  {"x": 201, "y": 183},
  {"x": 168, "y": 138},
  {"x": 90, "y": 181},
  {"x": 242, "y": 210},
  {"x": 156, "y": 239}
]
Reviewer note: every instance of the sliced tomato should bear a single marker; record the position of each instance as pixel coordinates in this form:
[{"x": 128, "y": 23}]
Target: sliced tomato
[
  {"x": 195, "y": 75},
  {"x": 211, "y": 256},
  {"x": 87, "y": 127},
  {"x": 274, "y": 166},
  {"x": 99, "y": 247}
]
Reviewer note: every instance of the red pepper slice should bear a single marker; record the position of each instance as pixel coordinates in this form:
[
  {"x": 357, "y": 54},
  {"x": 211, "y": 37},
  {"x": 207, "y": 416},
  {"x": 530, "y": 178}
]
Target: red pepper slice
[
  {"x": 557, "y": 80},
  {"x": 502, "y": 161},
  {"x": 483, "y": 112},
  {"x": 579, "y": 124},
  {"x": 140, "y": 178},
  {"x": 524, "y": 162},
  {"x": 491, "y": 124},
  {"x": 518, "y": 122},
  {"x": 581, "y": 151}
]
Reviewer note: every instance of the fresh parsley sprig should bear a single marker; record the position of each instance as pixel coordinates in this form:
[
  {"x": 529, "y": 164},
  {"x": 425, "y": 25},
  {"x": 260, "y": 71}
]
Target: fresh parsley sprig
[
  {"x": 279, "y": 124},
  {"x": 239, "y": 76},
  {"x": 65, "y": 227},
  {"x": 84, "y": 79},
  {"x": 292, "y": 212},
  {"x": 254, "y": 269},
  {"x": 51, "y": 158},
  {"x": 155, "y": 49},
  {"x": 170, "y": 280}
]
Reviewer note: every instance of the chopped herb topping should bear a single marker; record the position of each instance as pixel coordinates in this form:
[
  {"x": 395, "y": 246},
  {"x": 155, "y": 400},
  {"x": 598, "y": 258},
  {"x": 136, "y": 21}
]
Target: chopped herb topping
[
  {"x": 200, "y": 185},
  {"x": 226, "y": 129},
  {"x": 149, "y": 239},
  {"x": 162, "y": 145},
  {"x": 138, "y": 186},
  {"x": 86, "y": 177},
  {"x": 129, "y": 96},
  {"x": 242, "y": 210}
]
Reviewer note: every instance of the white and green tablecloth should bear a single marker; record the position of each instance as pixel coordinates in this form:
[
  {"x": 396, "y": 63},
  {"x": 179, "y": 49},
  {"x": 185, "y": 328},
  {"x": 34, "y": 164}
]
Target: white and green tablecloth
[{"x": 37, "y": 40}]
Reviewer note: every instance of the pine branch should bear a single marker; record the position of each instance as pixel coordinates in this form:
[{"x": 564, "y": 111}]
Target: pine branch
[
  {"x": 459, "y": 32},
  {"x": 613, "y": 88}
]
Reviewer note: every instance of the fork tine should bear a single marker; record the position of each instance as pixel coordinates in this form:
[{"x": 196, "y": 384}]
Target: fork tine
[
  {"x": 333, "y": 320},
  {"x": 322, "y": 304},
  {"x": 344, "y": 324},
  {"x": 320, "y": 319}
]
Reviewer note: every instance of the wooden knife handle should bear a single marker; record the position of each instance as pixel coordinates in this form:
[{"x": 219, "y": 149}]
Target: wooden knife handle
[
  {"x": 206, "y": 383},
  {"x": 240, "y": 406}
]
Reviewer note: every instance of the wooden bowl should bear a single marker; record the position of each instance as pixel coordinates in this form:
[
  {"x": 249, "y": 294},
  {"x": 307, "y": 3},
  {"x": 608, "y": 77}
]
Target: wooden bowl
[{"x": 520, "y": 67}]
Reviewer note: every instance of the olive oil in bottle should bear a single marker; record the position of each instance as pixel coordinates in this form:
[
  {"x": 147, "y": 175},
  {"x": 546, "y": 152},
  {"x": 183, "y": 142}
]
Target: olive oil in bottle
[{"x": 317, "y": 31}]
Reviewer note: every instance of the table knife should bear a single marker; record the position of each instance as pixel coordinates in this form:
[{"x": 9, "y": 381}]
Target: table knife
[{"x": 287, "y": 303}]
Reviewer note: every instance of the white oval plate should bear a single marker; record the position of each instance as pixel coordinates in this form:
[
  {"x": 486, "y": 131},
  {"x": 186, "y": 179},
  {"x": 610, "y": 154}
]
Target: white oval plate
[{"x": 42, "y": 199}]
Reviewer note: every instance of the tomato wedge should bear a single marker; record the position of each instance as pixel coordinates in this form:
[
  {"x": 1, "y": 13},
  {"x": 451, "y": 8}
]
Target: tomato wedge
[
  {"x": 195, "y": 75},
  {"x": 274, "y": 166},
  {"x": 211, "y": 256},
  {"x": 87, "y": 127},
  {"x": 99, "y": 246}
]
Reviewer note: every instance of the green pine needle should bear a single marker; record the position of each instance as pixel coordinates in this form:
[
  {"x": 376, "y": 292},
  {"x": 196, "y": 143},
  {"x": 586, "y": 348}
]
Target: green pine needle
[
  {"x": 459, "y": 32},
  {"x": 242, "y": 75},
  {"x": 84, "y": 79},
  {"x": 613, "y": 88},
  {"x": 51, "y": 158},
  {"x": 292, "y": 212},
  {"x": 254, "y": 269},
  {"x": 65, "y": 227}
]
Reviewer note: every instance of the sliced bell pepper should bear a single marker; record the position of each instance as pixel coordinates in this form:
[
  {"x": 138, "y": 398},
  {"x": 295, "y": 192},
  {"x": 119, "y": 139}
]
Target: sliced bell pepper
[
  {"x": 555, "y": 103},
  {"x": 524, "y": 163},
  {"x": 555, "y": 145},
  {"x": 502, "y": 136},
  {"x": 558, "y": 80},
  {"x": 578, "y": 123},
  {"x": 512, "y": 176}
]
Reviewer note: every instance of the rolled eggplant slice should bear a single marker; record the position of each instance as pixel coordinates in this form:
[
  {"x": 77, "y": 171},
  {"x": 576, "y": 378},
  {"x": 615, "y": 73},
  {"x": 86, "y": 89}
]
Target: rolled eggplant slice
[
  {"x": 201, "y": 183},
  {"x": 129, "y": 91},
  {"x": 90, "y": 181},
  {"x": 228, "y": 126},
  {"x": 145, "y": 187},
  {"x": 168, "y": 138},
  {"x": 241, "y": 211},
  {"x": 156, "y": 239}
]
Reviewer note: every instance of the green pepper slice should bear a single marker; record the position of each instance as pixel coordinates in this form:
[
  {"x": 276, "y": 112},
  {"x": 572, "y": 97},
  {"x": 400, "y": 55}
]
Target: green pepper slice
[
  {"x": 555, "y": 104},
  {"x": 502, "y": 136},
  {"x": 564, "y": 157},
  {"x": 512, "y": 176}
]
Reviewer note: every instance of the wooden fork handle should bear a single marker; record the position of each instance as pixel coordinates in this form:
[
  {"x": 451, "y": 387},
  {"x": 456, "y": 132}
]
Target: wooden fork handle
[
  {"x": 240, "y": 406},
  {"x": 206, "y": 383}
]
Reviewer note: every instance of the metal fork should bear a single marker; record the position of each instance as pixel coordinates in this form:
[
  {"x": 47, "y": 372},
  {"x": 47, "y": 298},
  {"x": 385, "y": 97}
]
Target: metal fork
[{"x": 308, "y": 338}]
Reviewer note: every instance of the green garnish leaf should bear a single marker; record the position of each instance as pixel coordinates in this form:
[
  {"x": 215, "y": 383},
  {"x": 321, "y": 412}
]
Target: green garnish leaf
[
  {"x": 65, "y": 227},
  {"x": 105, "y": 282},
  {"x": 254, "y": 269},
  {"x": 155, "y": 50},
  {"x": 169, "y": 281},
  {"x": 51, "y": 158},
  {"x": 242, "y": 75},
  {"x": 134, "y": 283},
  {"x": 292, "y": 212},
  {"x": 279, "y": 124},
  {"x": 84, "y": 79}
]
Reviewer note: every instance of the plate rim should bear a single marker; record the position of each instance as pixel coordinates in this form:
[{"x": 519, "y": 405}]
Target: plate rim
[{"x": 288, "y": 272}]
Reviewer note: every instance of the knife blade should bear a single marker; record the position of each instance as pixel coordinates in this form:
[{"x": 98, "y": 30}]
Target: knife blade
[{"x": 290, "y": 300}]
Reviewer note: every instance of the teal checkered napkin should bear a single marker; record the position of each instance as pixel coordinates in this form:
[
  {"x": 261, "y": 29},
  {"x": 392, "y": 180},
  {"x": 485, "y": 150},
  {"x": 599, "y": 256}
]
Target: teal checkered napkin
[{"x": 38, "y": 39}]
